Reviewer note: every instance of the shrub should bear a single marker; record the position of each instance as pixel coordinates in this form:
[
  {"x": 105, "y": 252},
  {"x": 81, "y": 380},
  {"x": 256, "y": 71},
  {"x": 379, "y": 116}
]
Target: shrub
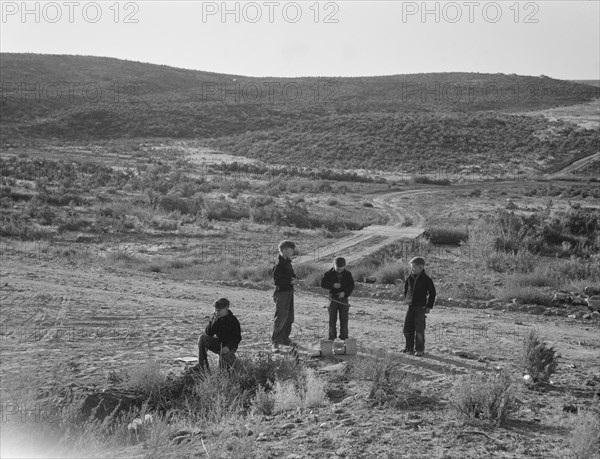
[
  {"x": 538, "y": 360},
  {"x": 263, "y": 402},
  {"x": 264, "y": 370},
  {"x": 19, "y": 227},
  {"x": 285, "y": 397},
  {"x": 390, "y": 272},
  {"x": 361, "y": 271},
  {"x": 119, "y": 256},
  {"x": 73, "y": 224},
  {"x": 289, "y": 392},
  {"x": 214, "y": 397},
  {"x": 257, "y": 273},
  {"x": 446, "y": 236},
  {"x": 484, "y": 397},
  {"x": 524, "y": 295},
  {"x": 431, "y": 180},
  {"x": 314, "y": 390},
  {"x": 542, "y": 276},
  {"x": 389, "y": 385},
  {"x": 516, "y": 262},
  {"x": 311, "y": 273},
  {"x": 146, "y": 378},
  {"x": 585, "y": 436},
  {"x": 469, "y": 285},
  {"x": 164, "y": 225},
  {"x": 184, "y": 206}
]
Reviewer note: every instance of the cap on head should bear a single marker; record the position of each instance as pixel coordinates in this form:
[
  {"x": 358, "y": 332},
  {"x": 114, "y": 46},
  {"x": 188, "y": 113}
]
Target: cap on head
[
  {"x": 418, "y": 261},
  {"x": 286, "y": 244},
  {"x": 221, "y": 303},
  {"x": 339, "y": 262}
]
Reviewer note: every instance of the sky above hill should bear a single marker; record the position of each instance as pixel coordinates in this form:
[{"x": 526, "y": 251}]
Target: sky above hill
[{"x": 560, "y": 39}]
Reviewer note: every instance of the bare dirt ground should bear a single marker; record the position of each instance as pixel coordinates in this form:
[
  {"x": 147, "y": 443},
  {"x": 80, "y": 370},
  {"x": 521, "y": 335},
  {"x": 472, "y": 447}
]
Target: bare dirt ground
[
  {"x": 72, "y": 323},
  {"x": 586, "y": 115}
]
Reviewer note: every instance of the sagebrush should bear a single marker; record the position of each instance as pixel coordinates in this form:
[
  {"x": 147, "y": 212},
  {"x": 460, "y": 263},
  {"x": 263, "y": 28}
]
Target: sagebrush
[
  {"x": 538, "y": 360},
  {"x": 484, "y": 397}
]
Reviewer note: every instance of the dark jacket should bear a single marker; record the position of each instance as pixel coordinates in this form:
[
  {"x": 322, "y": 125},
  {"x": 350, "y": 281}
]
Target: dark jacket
[
  {"x": 331, "y": 277},
  {"x": 227, "y": 329},
  {"x": 422, "y": 288},
  {"x": 283, "y": 273}
]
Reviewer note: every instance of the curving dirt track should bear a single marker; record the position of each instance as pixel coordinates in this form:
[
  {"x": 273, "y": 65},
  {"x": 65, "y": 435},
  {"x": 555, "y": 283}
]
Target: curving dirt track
[{"x": 396, "y": 207}]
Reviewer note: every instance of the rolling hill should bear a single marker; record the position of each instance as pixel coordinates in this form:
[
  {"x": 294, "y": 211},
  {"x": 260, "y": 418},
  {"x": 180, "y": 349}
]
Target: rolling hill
[{"x": 414, "y": 122}]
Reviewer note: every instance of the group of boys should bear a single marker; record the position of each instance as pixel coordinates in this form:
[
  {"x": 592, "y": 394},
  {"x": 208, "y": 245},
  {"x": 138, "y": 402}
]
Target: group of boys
[{"x": 223, "y": 332}]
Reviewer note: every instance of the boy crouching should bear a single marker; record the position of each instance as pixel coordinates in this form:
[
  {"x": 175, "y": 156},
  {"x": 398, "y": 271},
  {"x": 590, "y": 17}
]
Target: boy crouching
[{"x": 221, "y": 336}]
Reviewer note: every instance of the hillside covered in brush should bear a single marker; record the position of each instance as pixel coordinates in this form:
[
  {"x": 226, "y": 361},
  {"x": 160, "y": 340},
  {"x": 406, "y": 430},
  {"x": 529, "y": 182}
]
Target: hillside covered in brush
[{"x": 414, "y": 122}]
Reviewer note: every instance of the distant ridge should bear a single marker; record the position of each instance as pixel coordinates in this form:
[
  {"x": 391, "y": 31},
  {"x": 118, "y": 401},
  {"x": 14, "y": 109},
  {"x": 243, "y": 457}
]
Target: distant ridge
[
  {"x": 415, "y": 122},
  {"x": 595, "y": 83}
]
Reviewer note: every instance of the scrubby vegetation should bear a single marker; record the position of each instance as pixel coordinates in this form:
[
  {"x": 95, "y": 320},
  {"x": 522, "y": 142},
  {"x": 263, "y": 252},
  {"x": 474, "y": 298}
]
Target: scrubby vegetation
[
  {"x": 487, "y": 398},
  {"x": 539, "y": 361}
]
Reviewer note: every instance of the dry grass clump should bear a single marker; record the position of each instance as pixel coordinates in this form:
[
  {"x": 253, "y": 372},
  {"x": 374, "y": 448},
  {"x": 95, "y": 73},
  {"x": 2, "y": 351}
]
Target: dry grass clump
[
  {"x": 487, "y": 398},
  {"x": 287, "y": 395},
  {"x": 524, "y": 295},
  {"x": 389, "y": 273},
  {"x": 388, "y": 385},
  {"x": 585, "y": 435}
]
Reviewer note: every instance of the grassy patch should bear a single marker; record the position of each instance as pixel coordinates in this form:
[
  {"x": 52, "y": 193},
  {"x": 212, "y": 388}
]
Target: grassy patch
[
  {"x": 524, "y": 295},
  {"x": 390, "y": 273},
  {"x": 487, "y": 398},
  {"x": 585, "y": 435}
]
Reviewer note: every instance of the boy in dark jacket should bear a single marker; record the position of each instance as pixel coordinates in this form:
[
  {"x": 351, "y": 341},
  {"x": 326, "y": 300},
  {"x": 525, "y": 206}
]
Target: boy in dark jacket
[
  {"x": 419, "y": 293},
  {"x": 221, "y": 336},
  {"x": 340, "y": 283},
  {"x": 284, "y": 279}
]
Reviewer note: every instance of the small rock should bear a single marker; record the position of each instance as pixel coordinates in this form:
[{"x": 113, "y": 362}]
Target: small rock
[
  {"x": 587, "y": 316},
  {"x": 572, "y": 316}
]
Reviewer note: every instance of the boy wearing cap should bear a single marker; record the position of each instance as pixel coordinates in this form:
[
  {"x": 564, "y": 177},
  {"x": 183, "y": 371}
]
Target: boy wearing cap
[
  {"x": 284, "y": 279},
  {"x": 340, "y": 283},
  {"x": 419, "y": 293},
  {"x": 221, "y": 336}
]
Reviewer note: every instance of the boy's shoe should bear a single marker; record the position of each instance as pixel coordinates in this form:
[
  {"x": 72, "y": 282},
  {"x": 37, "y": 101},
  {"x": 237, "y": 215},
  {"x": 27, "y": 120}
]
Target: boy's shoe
[
  {"x": 419, "y": 353},
  {"x": 406, "y": 350}
]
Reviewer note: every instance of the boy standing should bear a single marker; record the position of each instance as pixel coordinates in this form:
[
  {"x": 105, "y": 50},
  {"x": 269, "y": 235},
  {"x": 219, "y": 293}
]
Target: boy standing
[
  {"x": 284, "y": 279},
  {"x": 221, "y": 336},
  {"x": 419, "y": 293},
  {"x": 340, "y": 283}
]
